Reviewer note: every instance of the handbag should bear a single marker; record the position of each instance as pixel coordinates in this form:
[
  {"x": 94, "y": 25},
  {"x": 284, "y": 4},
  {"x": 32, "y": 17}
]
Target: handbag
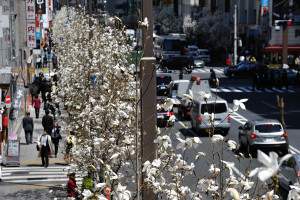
[{"x": 37, "y": 147}]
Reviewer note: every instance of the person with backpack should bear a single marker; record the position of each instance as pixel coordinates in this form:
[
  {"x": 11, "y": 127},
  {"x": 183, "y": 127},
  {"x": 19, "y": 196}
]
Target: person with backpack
[
  {"x": 45, "y": 146},
  {"x": 69, "y": 144}
]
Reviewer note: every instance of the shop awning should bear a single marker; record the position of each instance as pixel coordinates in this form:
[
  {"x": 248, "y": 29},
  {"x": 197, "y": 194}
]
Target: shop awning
[{"x": 278, "y": 49}]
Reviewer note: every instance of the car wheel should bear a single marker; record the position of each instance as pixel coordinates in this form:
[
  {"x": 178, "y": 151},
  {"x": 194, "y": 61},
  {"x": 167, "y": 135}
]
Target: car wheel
[
  {"x": 285, "y": 150},
  {"x": 165, "y": 70},
  {"x": 184, "y": 70}
]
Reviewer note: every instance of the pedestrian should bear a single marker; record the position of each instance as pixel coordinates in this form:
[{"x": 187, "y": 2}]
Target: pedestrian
[
  {"x": 297, "y": 62},
  {"x": 33, "y": 90},
  {"x": 55, "y": 136},
  {"x": 28, "y": 127},
  {"x": 253, "y": 59},
  {"x": 71, "y": 186},
  {"x": 278, "y": 80},
  {"x": 69, "y": 144},
  {"x": 45, "y": 61},
  {"x": 43, "y": 88},
  {"x": 212, "y": 79},
  {"x": 47, "y": 121},
  {"x": 228, "y": 62},
  {"x": 272, "y": 79},
  {"x": 285, "y": 79},
  {"x": 261, "y": 80},
  {"x": 54, "y": 61},
  {"x": 254, "y": 80},
  {"x": 36, "y": 103},
  {"x": 38, "y": 62},
  {"x": 45, "y": 147}
]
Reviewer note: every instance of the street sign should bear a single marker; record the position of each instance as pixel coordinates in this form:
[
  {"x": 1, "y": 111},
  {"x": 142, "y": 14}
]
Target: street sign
[
  {"x": 38, "y": 35},
  {"x": 7, "y": 99},
  {"x": 31, "y": 70}
]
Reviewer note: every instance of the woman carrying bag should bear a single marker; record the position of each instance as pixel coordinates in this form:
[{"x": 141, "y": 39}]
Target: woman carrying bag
[
  {"x": 69, "y": 144},
  {"x": 45, "y": 146}
]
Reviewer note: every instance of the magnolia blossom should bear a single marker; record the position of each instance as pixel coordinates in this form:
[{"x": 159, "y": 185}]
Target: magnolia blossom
[
  {"x": 270, "y": 195},
  {"x": 216, "y": 138},
  {"x": 239, "y": 103},
  {"x": 87, "y": 193},
  {"x": 231, "y": 145},
  {"x": 271, "y": 165},
  {"x": 188, "y": 143},
  {"x": 165, "y": 141},
  {"x": 246, "y": 184},
  {"x": 214, "y": 169},
  {"x": 168, "y": 105},
  {"x": 209, "y": 116},
  {"x": 293, "y": 194},
  {"x": 203, "y": 95},
  {"x": 122, "y": 193},
  {"x": 189, "y": 96}
]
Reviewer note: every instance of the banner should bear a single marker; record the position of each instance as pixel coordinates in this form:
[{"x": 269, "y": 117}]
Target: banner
[
  {"x": 5, "y": 7},
  {"x": 17, "y": 104},
  {"x": 30, "y": 9},
  {"x": 31, "y": 34}
]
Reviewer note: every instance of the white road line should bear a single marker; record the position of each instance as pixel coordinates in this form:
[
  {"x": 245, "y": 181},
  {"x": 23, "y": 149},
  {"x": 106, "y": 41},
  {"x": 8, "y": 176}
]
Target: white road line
[
  {"x": 291, "y": 91},
  {"x": 218, "y": 70},
  {"x": 224, "y": 89},
  {"x": 294, "y": 149},
  {"x": 267, "y": 90},
  {"x": 215, "y": 90},
  {"x": 234, "y": 89},
  {"x": 269, "y": 104},
  {"x": 245, "y": 89},
  {"x": 256, "y": 90}
]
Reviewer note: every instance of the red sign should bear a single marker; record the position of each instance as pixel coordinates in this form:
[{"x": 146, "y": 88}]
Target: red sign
[{"x": 7, "y": 99}]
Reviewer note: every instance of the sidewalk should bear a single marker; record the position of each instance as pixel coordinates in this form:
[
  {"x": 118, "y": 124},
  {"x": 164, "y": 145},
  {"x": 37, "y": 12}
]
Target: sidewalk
[{"x": 28, "y": 153}]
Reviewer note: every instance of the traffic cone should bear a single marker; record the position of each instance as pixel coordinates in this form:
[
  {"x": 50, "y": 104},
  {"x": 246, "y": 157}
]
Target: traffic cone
[{"x": 29, "y": 99}]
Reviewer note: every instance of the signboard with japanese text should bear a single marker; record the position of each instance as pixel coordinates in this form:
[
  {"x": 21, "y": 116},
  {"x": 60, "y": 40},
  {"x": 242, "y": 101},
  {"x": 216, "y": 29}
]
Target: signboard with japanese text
[
  {"x": 30, "y": 9},
  {"x": 6, "y": 36},
  {"x": 16, "y": 104},
  {"x": 40, "y": 7},
  {"x": 31, "y": 70},
  {"x": 31, "y": 35},
  {"x": 5, "y": 7}
]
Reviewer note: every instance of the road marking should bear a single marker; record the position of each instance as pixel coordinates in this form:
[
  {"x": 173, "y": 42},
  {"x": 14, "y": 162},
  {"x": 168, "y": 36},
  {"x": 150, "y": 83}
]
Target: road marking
[
  {"x": 223, "y": 89},
  {"x": 269, "y": 104},
  {"x": 234, "y": 89},
  {"x": 245, "y": 89}
]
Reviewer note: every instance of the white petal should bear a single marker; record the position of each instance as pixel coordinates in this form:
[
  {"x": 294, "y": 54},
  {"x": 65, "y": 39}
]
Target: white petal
[
  {"x": 243, "y": 106},
  {"x": 253, "y": 172},
  {"x": 235, "y": 107},
  {"x": 243, "y": 100},
  {"x": 263, "y": 158},
  {"x": 287, "y": 156},
  {"x": 263, "y": 175}
]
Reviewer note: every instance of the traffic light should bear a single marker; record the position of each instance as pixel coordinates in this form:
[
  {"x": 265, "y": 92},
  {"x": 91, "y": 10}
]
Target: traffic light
[{"x": 279, "y": 23}]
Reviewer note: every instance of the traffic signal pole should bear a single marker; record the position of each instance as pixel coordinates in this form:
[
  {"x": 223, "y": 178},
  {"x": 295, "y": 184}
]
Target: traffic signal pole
[
  {"x": 285, "y": 37},
  {"x": 148, "y": 97}
]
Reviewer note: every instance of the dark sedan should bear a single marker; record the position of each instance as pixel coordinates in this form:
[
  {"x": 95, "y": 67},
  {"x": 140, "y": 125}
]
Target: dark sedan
[{"x": 245, "y": 68}]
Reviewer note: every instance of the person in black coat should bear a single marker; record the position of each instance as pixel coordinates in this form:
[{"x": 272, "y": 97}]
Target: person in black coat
[
  {"x": 212, "y": 79},
  {"x": 55, "y": 136},
  {"x": 28, "y": 127},
  {"x": 47, "y": 121}
]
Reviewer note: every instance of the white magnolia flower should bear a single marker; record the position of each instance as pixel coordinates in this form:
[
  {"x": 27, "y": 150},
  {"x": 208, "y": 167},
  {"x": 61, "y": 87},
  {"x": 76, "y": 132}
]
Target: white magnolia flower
[
  {"x": 168, "y": 105},
  {"x": 172, "y": 118},
  {"x": 123, "y": 114},
  {"x": 271, "y": 165},
  {"x": 246, "y": 184},
  {"x": 188, "y": 143},
  {"x": 163, "y": 140},
  {"x": 234, "y": 193},
  {"x": 213, "y": 169},
  {"x": 293, "y": 194},
  {"x": 189, "y": 96},
  {"x": 156, "y": 162},
  {"x": 231, "y": 145},
  {"x": 239, "y": 103},
  {"x": 216, "y": 138},
  {"x": 203, "y": 154},
  {"x": 122, "y": 193},
  {"x": 145, "y": 22},
  {"x": 204, "y": 96},
  {"x": 270, "y": 195},
  {"x": 209, "y": 117},
  {"x": 100, "y": 185},
  {"x": 87, "y": 193}
]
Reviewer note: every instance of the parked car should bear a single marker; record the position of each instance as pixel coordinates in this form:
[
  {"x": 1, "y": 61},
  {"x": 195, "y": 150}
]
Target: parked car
[
  {"x": 162, "y": 82},
  {"x": 289, "y": 172},
  {"x": 162, "y": 115},
  {"x": 199, "y": 63},
  {"x": 262, "y": 134},
  {"x": 199, "y": 120},
  {"x": 204, "y": 54},
  {"x": 245, "y": 68},
  {"x": 184, "y": 63}
]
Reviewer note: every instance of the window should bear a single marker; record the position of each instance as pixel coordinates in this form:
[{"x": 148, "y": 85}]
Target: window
[
  {"x": 268, "y": 128},
  {"x": 163, "y": 81},
  {"x": 213, "y": 108},
  {"x": 297, "y": 33}
]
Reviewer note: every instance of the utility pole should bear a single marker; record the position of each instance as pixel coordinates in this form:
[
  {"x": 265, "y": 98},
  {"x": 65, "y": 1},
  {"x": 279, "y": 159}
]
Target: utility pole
[
  {"x": 148, "y": 96},
  {"x": 235, "y": 36},
  {"x": 285, "y": 37}
]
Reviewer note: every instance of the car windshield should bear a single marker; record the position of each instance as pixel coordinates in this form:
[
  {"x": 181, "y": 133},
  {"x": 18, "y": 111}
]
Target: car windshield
[
  {"x": 268, "y": 128},
  {"x": 163, "y": 80},
  {"x": 193, "y": 49},
  {"x": 213, "y": 108}
]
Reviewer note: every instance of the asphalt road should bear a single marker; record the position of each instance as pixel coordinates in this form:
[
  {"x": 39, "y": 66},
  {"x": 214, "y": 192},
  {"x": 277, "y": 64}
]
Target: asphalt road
[{"x": 259, "y": 105}]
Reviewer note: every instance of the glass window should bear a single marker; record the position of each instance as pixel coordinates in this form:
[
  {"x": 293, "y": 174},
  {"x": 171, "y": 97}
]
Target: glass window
[
  {"x": 268, "y": 128},
  {"x": 163, "y": 81},
  {"x": 213, "y": 108}
]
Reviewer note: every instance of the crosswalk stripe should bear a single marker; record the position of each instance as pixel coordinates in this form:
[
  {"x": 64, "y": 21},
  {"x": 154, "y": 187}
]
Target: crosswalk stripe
[
  {"x": 291, "y": 91},
  {"x": 234, "y": 89},
  {"x": 244, "y": 89},
  {"x": 267, "y": 90},
  {"x": 218, "y": 70},
  {"x": 224, "y": 89}
]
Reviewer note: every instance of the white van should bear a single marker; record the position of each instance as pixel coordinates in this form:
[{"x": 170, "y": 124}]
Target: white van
[
  {"x": 217, "y": 106},
  {"x": 204, "y": 55}
]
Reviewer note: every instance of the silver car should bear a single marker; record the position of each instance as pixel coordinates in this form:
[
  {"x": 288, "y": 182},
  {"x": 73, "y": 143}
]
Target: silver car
[
  {"x": 262, "y": 134},
  {"x": 289, "y": 172}
]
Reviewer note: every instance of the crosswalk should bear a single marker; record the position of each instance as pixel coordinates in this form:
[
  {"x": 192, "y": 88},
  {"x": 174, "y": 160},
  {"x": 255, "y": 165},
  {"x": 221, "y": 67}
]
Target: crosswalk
[
  {"x": 202, "y": 70},
  {"x": 37, "y": 175},
  {"x": 249, "y": 89}
]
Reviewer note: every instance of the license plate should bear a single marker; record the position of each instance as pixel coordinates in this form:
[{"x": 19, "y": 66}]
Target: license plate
[
  {"x": 269, "y": 139},
  {"x": 162, "y": 87},
  {"x": 160, "y": 116}
]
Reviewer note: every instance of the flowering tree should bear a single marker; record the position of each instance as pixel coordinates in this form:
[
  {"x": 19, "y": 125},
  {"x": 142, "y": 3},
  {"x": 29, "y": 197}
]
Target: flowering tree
[
  {"x": 189, "y": 29},
  {"x": 168, "y": 22},
  {"x": 100, "y": 90}
]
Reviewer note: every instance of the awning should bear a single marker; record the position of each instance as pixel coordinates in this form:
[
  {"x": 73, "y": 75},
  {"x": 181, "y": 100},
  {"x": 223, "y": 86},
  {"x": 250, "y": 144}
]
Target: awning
[{"x": 278, "y": 49}]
